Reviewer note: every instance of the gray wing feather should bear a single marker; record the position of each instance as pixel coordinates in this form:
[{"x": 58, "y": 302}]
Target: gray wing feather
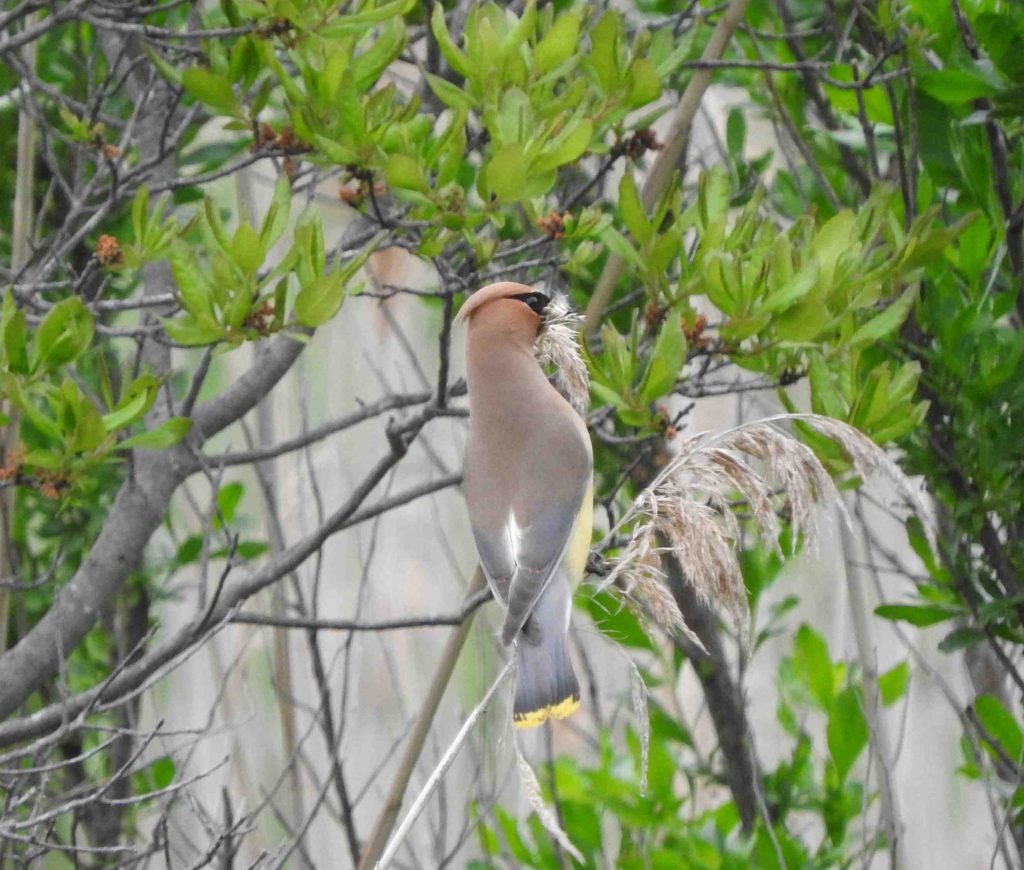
[
  {"x": 541, "y": 548},
  {"x": 546, "y": 511}
]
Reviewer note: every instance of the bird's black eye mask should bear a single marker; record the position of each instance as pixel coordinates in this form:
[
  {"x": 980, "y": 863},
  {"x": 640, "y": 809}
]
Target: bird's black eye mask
[{"x": 536, "y": 302}]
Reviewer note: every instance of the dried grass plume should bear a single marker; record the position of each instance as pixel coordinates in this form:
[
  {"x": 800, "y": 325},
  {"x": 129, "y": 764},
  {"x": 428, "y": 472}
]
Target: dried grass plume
[
  {"x": 532, "y": 792},
  {"x": 558, "y": 345},
  {"x": 689, "y": 509}
]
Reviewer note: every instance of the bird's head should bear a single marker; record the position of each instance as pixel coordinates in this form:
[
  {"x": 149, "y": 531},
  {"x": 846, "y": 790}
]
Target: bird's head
[{"x": 507, "y": 306}]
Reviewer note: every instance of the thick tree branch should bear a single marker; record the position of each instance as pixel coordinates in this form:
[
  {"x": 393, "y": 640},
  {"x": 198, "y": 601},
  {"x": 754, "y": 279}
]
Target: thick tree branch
[{"x": 725, "y": 698}]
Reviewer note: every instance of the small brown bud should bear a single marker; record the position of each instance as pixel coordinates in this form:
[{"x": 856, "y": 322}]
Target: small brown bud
[
  {"x": 352, "y": 196},
  {"x": 553, "y": 224},
  {"x": 695, "y": 334},
  {"x": 654, "y": 314},
  {"x": 264, "y": 134},
  {"x": 108, "y": 251},
  {"x": 12, "y": 462}
]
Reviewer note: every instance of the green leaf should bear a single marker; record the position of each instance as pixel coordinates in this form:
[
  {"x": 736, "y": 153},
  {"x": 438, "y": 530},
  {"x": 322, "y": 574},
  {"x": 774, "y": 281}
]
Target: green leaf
[
  {"x": 276, "y": 219},
  {"x": 168, "y": 70},
  {"x": 604, "y": 51},
  {"x": 216, "y": 225},
  {"x": 559, "y": 44},
  {"x": 451, "y": 95},
  {"x": 193, "y": 332},
  {"x": 825, "y": 393},
  {"x": 64, "y": 334},
  {"x": 406, "y": 173},
  {"x": 885, "y": 323},
  {"x": 453, "y": 55},
  {"x": 918, "y": 615},
  {"x": 88, "y": 432},
  {"x": 506, "y": 173},
  {"x": 228, "y": 498},
  {"x": 190, "y": 550},
  {"x": 918, "y": 540},
  {"x": 210, "y": 88},
  {"x": 812, "y": 663},
  {"x": 792, "y": 291},
  {"x": 645, "y": 86},
  {"x": 334, "y": 151},
  {"x": 736, "y": 133},
  {"x": 230, "y": 10},
  {"x": 1001, "y": 725},
  {"x": 350, "y": 110},
  {"x": 193, "y": 287},
  {"x": 326, "y": 84},
  {"x": 239, "y": 306},
  {"x": 632, "y": 211},
  {"x": 246, "y": 248},
  {"x": 319, "y": 300},
  {"x": 162, "y": 771},
  {"x": 245, "y": 62},
  {"x": 667, "y": 359},
  {"x": 961, "y": 638},
  {"x": 619, "y": 245},
  {"x": 847, "y": 732},
  {"x": 954, "y": 87},
  {"x": 370, "y": 65},
  {"x": 613, "y": 619},
  {"x": 167, "y": 434},
  {"x": 359, "y": 22},
  {"x": 251, "y": 549},
  {"x": 130, "y": 409},
  {"x": 10, "y": 388},
  {"x": 892, "y": 685},
  {"x": 568, "y": 146},
  {"x": 15, "y": 336},
  {"x": 523, "y": 29}
]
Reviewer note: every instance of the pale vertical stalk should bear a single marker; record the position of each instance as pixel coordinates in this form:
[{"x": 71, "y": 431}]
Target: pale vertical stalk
[
  {"x": 668, "y": 158},
  {"x": 20, "y": 235},
  {"x": 393, "y": 846},
  {"x": 421, "y": 728},
  {"x": 872, "y": 698},
  {"x": 280, "y": 639}
]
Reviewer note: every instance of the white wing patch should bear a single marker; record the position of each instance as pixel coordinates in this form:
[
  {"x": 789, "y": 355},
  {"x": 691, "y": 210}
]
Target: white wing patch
[{"x": 514, "y": 532}]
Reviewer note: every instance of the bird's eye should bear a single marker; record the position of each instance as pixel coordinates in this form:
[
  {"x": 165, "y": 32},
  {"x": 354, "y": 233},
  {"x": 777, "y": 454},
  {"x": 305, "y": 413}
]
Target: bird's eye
[{"x": 537, "y": 302}]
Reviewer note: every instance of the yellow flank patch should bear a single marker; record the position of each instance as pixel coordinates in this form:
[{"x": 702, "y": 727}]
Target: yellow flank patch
[
  {"x": 555, "y": 711},
  {"x": 578, "y": 550}
]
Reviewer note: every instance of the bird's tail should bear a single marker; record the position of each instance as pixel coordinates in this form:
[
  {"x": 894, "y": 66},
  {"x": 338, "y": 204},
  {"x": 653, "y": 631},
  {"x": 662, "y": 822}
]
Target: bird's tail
[{"x": 546, "y": 685}]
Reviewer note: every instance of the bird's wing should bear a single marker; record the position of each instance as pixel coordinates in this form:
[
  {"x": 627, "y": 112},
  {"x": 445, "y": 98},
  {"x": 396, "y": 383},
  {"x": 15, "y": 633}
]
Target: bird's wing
[
  {"x": 544, "y": 511},
  {"x": 489, "y": 508}
]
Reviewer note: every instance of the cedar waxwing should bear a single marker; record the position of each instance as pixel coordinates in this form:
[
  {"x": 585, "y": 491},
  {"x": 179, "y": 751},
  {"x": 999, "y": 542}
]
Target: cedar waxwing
[{"x": 529, "y": 487}]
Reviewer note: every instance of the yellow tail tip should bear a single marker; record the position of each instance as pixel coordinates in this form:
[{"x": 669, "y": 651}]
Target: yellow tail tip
[{"x": 533, "y": 718}]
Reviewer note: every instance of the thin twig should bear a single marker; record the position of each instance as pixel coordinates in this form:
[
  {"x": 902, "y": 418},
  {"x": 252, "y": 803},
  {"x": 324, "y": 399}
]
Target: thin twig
[{"x": 456, "y": 618}]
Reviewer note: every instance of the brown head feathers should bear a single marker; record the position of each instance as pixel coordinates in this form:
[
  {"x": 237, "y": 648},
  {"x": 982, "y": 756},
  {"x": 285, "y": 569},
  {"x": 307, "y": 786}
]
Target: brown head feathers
[{"x": 523, "y": 293}]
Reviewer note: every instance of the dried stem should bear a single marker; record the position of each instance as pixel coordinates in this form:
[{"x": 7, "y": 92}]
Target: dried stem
[{"x": 393, "y": 805}]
